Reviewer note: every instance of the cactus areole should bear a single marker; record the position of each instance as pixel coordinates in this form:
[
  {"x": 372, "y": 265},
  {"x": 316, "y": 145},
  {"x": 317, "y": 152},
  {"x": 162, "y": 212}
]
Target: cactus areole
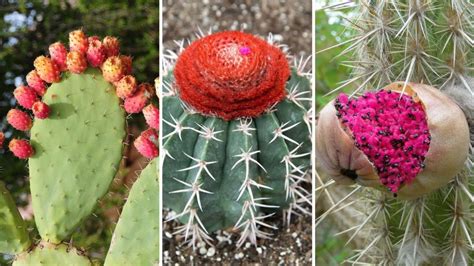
[{"x": 232, "y": 74}]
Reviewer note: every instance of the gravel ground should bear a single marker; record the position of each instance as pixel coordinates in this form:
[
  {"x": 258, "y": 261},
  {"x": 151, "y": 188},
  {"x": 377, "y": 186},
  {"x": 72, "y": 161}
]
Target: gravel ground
[
  {"x": 290, "y": 22},
  {"x": 291, "y": 245}
]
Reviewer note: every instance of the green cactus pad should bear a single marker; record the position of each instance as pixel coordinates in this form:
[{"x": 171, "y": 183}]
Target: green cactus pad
[
  {"x": 52, "y": 255},
  {"x": 136, "y": 237},
  {"x": 14, "y": 237},
  {"x": 237, "y": 168},
  {"x": 78, "y": 151}
]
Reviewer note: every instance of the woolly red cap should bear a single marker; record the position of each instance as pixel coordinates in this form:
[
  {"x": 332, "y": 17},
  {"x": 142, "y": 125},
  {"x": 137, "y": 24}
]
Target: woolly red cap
[{"x": 231, "y": 74}]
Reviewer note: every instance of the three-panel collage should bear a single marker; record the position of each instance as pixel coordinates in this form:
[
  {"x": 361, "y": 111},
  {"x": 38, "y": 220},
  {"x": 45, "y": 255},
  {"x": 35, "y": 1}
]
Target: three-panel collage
[{"x": 218, "y": 132}]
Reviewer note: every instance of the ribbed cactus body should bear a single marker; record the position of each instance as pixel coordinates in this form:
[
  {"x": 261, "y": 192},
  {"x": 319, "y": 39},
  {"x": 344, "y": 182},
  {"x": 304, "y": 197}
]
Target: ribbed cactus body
[
  {"x": 230, "y": 174},
  {"x": 429, "y": 42}
]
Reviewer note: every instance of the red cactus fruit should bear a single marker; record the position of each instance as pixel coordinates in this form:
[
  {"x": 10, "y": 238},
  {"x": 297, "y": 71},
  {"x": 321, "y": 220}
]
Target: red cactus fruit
[
  {"x": 47, "y": 70},
  {"x": 126, "y": 86},
  {"x": 411, "y": 143},
  {"x": 78, "y": 41},
  {"x": 19, "y": 119},
  {"x": 36, "y": 83},
  {"x": 76, "y": 62},
  {"x": 58, "y": 54},
  {"x": 25, "y": 96},
  {"x": 231, "y": 74},
  {"x": 41, "y": 110},
  {"x": 2, "y": 139},
  {"x": 96, "y": 52},
  {"x": 93, "y": 38},
  {"x": 151, "y": 135},
  {"x": 112, "y": 46},
  {"x": 113, "y": 69},
  {"x": 148, "y": 89},
  {"x": 127, "y": 64},
  {"x": 135, "y": 103},
  {"x": 147, "y": 144},
  {"x": 21, "y": 148},
  {"x": 152, "y": 116}
]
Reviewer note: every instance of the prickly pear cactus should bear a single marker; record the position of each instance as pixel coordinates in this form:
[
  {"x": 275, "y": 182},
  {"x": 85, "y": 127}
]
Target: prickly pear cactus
[
  {"x": 13, "y": 234},
  {"x": 138, "y": 224},
  {"x": 236, "y": 135},
  {"x": 415, "y": 54},
  {"x": 76, "y": 142}
]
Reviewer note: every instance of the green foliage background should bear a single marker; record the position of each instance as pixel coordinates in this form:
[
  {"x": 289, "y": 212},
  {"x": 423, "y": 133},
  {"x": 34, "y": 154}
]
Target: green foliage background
[
  {"x": 330, "y": 72},
  {"x": 26, "y": 30}
]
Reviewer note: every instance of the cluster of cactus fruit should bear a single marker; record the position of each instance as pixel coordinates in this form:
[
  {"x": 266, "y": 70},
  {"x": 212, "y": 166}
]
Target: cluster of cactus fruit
[
  {"x": 83, "y": 51},
  {"x": 75, "y": 148},
  {"x": 412, "y": 139},
  {"x": 236, "y": 132}
]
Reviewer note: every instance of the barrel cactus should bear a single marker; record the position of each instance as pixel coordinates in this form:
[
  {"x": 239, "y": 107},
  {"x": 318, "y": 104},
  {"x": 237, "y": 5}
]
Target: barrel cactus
[
  {"x": 75, "y": 148},
  {"x": 402, "y": 141},
  {"x": 236, "y": 133}
]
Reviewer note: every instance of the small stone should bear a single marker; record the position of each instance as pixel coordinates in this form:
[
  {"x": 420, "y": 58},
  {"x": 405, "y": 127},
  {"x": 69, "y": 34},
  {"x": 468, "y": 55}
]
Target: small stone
[
  {"x": 239, "y": 256},
  {"x": 202, "y": 250},
  {"x": 211, "y": 251},
  {"x": 259, "y": 250},
  {"x": 294, "y": 235}
]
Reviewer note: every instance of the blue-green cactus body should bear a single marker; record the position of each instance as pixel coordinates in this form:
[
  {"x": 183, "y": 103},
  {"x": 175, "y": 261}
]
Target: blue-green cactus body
[{"x": 221, "y": 174}]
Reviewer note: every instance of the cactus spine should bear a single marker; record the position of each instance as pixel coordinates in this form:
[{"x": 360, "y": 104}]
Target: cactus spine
[
  {"x": 428, "y": 42},
  {"x": 77, "y": 148},
  {"x": 228, "y": 165}
]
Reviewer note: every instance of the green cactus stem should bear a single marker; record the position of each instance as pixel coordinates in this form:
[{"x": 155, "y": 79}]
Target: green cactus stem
[
  {"x": 52, "y": 255},
  {"x": 14, "y": 236},
  {"x": 136, "y": 237}
]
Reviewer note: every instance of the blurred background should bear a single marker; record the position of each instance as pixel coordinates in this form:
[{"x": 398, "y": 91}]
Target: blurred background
[
  {"x": 27, "y": 28},
  {"x": 290, "y": 22}
]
